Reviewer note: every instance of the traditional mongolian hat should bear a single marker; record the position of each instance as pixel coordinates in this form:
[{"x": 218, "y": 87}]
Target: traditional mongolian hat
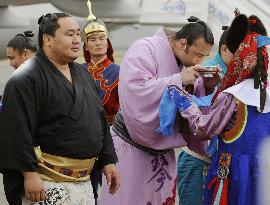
[
  {"x": 246, "y": 38},
  {"x": 94, "y": 26}
]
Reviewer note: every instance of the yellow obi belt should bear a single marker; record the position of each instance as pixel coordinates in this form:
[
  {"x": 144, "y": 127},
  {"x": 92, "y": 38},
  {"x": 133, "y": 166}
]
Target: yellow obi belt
[{"x": 62, "y": 169}]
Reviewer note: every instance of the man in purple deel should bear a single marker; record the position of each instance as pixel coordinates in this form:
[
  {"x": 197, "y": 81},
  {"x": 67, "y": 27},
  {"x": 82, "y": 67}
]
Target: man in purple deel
[{"x": 147, "y": 161}]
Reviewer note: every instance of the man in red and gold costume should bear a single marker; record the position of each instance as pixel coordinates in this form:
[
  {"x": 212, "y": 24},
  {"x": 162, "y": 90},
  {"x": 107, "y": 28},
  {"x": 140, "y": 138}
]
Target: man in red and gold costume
[{"x": 98, "y": 54}]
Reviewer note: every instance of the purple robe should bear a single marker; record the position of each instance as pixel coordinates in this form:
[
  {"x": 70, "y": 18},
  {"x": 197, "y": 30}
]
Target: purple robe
[
  {"x": 148, "y": 67},
  {"x": 194, "y": 143},
  {"x": 212, "y": 124}
]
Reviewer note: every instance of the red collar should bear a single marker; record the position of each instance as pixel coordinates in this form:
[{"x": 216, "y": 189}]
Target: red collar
[{"x": 100, "y": 66}]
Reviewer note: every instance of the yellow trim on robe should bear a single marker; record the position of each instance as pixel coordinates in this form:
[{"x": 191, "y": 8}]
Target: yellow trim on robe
[
  {"x": 239, "y": 125},
  {"x": 62, "y": 169}
]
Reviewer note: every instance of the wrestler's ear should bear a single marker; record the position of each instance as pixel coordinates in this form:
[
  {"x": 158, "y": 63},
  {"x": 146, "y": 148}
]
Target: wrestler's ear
[
  {"x": 26, "y": 53},
  {"x": 47, "y": 39},
  {"x": 181, "y": 44}
]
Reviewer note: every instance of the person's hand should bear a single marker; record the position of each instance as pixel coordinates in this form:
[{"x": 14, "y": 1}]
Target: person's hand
[
  {"x": 34, "y": 187},
  {"x": 190, "y": 74},
  {"x": 112, "y": 176},
  {"x": 211, "y": 82}
]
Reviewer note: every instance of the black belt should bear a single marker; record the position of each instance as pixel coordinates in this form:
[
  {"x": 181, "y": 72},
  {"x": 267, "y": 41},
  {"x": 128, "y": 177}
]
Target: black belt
[{"x": 120, "y": 129}]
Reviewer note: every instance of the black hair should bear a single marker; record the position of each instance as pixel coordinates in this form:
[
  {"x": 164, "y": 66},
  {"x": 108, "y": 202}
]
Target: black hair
[
  {"x": 260, "y": 77},
  {"x": 48, "y": 24},
  {"x": 195, "y": 30},
  {"x": 260, "y": 72},
  {"x": 256, "y": 25},
  {"x": 223, "y": 37},
  {"x": 237, "y": 32},
  {"x": 23, "y": 41}
]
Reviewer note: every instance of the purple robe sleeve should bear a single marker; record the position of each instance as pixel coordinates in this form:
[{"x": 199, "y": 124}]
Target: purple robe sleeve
[
  {"x": 144, "y": 75},
  {"x": 213, "y": 123},
  {"x": 199, "y": 89}
]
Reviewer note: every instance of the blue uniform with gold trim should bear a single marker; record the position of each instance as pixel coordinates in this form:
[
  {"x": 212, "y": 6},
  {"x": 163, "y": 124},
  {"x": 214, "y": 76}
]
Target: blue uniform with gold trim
[{"x": 242, "y": 142}]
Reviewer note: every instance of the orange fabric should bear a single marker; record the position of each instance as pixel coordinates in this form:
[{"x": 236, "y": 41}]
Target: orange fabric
[{"x": 238, "y": 125}]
